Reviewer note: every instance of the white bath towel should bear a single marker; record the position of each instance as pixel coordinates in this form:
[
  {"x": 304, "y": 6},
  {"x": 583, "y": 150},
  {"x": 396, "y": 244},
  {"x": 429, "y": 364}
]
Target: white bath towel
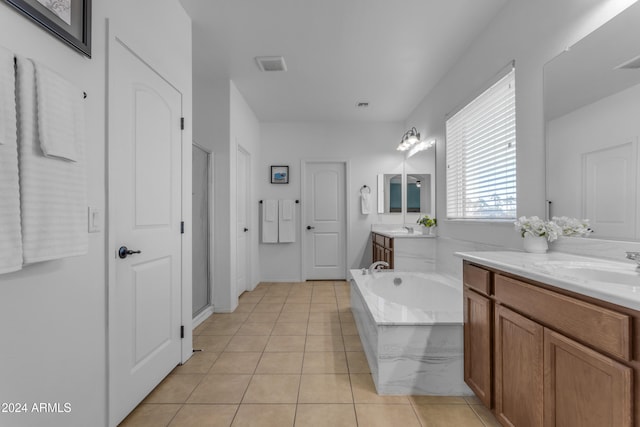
[
  {"x": 60, "y": 111},
  {"x": 10, "y": 235},
  {"x": 365, "y": 202},
  {"x": 270, "y": 221},
  {"x": 286, "y": 222},
  {"x": 52, "y": 191}
]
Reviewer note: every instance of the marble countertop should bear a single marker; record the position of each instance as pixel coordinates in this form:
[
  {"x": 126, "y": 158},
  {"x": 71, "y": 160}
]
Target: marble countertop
[
  {"x": 611, "y": 281},
  {"x": 404, "y": 234}
]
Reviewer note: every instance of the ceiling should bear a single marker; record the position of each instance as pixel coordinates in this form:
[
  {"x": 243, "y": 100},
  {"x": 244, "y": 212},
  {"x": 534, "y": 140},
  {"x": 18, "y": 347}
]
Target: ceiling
[{"x": 338, "y": 52}]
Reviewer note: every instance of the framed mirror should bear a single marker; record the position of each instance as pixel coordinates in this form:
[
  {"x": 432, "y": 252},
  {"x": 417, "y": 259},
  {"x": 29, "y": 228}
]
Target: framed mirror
[{"x": 592, "y": 110}]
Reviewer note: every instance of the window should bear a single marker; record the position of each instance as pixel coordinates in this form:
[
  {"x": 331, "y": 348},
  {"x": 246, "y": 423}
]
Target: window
[{"x": 481, "y": 154}]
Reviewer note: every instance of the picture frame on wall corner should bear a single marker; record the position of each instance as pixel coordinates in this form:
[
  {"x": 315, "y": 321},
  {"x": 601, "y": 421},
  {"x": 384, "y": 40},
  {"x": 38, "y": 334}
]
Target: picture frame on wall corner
[
  {"x": 279, "y": 174},
  {"x": 68, "y": 20}
]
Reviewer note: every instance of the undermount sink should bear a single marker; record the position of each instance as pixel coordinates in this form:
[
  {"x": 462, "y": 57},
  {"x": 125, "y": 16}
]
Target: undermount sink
[{"x": 608, "y": 272}]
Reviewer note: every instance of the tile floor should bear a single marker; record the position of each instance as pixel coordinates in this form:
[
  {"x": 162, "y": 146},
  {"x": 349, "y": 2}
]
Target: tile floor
[{"x": 290, "y": 355}]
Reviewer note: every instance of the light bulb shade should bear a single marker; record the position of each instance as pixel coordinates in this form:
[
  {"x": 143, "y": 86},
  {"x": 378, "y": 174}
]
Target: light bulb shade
[{"x": 410, "y": 138}]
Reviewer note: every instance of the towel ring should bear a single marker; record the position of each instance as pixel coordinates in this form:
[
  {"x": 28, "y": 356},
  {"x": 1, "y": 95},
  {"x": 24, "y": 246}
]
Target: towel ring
[{"x": 365, "y": 189}]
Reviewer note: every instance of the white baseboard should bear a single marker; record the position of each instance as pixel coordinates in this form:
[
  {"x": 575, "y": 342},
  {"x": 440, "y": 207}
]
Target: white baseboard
[{"x": 204, "y": 315}]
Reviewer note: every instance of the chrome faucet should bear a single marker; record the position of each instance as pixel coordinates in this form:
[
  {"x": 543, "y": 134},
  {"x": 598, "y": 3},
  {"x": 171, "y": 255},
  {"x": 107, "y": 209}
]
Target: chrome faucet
[
  {"x": 634, "y": 256},
  {"x": 377, "y": 264},
  {"x": 409, "y": 229}
]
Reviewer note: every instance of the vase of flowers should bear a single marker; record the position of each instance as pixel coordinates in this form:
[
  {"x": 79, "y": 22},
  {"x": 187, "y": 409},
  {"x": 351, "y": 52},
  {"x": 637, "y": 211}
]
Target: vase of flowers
[
  {"x": 427, "y": 223},
  {"x": 537, "y": 233},
  {"x": 573, "y": 227}
]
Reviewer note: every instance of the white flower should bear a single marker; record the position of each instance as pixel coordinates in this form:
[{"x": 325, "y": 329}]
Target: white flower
[
  {"x": 534, "y": 226},
  {"x": 573, "y": 226}
]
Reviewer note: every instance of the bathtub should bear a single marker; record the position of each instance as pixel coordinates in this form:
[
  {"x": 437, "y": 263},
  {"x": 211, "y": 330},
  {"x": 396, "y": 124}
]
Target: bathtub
[{"x": 411, "y": 328}]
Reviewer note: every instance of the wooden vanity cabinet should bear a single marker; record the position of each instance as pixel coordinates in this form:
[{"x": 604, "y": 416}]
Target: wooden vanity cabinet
[
  {"x": 382, "y": 249},
  {"x": 556, "y": 358}
]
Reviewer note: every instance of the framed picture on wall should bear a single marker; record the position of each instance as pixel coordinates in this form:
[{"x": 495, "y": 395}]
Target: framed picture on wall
[
  {"x": 279, "y": 174},
  {"x": 69, "y": 20}
]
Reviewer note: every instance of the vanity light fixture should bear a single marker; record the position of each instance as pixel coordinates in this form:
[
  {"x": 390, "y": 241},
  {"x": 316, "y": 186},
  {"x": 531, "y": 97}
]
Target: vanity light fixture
[
  {"x": 410, "y": 138},
  {"x": 421, "y": 146}
]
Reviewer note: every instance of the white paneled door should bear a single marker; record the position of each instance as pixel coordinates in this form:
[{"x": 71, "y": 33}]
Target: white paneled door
[
  {"x": 243, "y": 255},
  {"x": 325, "y": 236},
  {"x": 145, "y": 236}
]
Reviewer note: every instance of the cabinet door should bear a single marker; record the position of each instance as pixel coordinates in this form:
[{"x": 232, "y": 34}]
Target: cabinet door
[
  {"x": 477, "y": 344},
  {"x": 518, "y": 369},
  {"x": 582, "y": 387}
]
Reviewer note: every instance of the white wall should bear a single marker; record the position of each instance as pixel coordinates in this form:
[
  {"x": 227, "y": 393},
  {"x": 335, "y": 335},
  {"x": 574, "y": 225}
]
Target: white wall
[
  {"x": 532, "y": 33},
  {"x": 368, "y": 147},
  {"x": 53, "y": 314}
]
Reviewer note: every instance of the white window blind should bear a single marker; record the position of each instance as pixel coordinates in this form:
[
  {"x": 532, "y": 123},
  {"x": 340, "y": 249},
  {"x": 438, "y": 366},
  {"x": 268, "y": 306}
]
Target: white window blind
[{"x": 481, "y": 155}]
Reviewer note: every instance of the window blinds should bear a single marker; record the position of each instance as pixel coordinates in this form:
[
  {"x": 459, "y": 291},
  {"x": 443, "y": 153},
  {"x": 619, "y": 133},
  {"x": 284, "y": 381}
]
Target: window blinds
[{"x": 481, "y": 155}]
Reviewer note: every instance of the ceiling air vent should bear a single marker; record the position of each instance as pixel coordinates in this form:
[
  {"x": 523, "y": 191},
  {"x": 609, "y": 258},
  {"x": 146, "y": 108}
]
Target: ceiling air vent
[
  {"x": 632, "y": 64},
  {"x": 271, "y": 63}
]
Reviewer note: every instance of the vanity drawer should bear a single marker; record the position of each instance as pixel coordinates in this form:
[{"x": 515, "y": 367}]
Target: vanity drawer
[
  {"x": 477, "y": 278},
  {"x": 604, "y": 329},
  {"x": 381, "y": 240}
]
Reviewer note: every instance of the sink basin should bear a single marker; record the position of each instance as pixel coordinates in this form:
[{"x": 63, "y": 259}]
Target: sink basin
[{"x": 608, "y": 272}]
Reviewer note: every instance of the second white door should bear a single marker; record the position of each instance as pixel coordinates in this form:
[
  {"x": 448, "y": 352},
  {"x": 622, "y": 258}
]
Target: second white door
[{"x": 324, "y": 206}]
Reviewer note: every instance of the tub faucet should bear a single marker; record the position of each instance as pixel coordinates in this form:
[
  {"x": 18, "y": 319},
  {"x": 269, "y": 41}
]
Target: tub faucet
[
  {"x": 377, "y": 264},
  {"x": 634, "y": 256}
]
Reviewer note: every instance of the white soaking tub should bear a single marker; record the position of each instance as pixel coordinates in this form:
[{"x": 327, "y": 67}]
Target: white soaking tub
[{"x": 411, "y": 328}]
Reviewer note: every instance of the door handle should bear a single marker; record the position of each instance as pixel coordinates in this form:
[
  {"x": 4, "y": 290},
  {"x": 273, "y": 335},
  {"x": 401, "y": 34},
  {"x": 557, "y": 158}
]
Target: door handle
[
  {"x": 123, "y": 252},
  {"x": 246, "y": 229},
  {"x": 310, "y": 227}
]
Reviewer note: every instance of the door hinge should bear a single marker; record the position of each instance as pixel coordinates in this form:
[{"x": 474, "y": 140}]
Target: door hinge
[
  {"x": 181, "y": 123},
  {"x": 181, "y": 331},
  {"x": 181, "y": 227}
]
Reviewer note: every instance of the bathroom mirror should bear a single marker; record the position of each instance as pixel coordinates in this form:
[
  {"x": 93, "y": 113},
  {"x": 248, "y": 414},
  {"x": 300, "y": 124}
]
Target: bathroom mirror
[
  {"x": 592, "y": 118},
  {"x": 418, "y": 193},
  {"x": 389, "y": 193}
]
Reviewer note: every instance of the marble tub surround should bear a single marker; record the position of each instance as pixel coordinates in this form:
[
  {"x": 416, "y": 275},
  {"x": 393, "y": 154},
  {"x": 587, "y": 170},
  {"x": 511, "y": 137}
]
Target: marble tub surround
[
  {"x": 617, "y": 282},
  {"x": 413, "y": 343}
]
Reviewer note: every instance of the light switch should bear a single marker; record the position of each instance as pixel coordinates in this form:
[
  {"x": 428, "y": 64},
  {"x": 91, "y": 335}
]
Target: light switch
[{"x": 95, "y": 217}]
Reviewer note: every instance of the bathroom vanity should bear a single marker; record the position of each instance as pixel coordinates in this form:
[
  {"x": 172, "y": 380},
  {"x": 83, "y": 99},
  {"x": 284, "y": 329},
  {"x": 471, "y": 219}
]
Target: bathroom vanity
[
  {"x": 403, "y": 250},
  {"x": 552, "y": 339}
]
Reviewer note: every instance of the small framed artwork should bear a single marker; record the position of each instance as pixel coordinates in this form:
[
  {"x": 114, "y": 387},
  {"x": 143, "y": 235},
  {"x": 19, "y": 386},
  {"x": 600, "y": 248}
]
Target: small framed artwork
[
  {"x": 69, "y": 20},
  {"x": 279, "y": 174}
]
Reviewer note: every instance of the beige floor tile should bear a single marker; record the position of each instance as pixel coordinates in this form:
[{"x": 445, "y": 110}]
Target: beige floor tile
[
  {"x": 285, "y": 343},
  {"x": 252, "y": 298},
  {"x": 268, "y": 307},
  {"x": 364, "y": 391},
  {"x": 253, "y": 328},
  {"x": 174, "y": 388},
  {"x": 473, "y": 400},
  {"x": 216, "y": 388},
  {"x": 324, "y": 308},
  {"x": 325, "y": 362},
  {"x": 325, "y": 388},
  {"x": 277, "y": 293},
  {"x": 289, "y": 328},
  {"x": 299, "y": 299},
  {"x": 280, "y": 363},
  {"x": 211, "y": 343},
  {"x": 324, "y": 343},
  {"x": 357, "y": 362},
  {"x": 438, "y": 400},
  {"x": 274, "y": 299},
  {"x": 320, "y": 317},
  {"x": 377, "y": 415},
  {"x": 347, "y": 317},
  {"x": 230, "y": 317},
  {"x": 323, "y": 299},
  {"x": 221, "y": 328},
  {"x": 266, "y": 388},
  {"x": 245, "y": 307},
  {"x": 349, "y": 328},
  {"x": 199, "y": 363},
  {"x": 296, "y": 317},
  {"x": 324, "y": 328},
  {"x": 199, "y": 328},
  {"x": 352, "y": 343},
  {"x": 247, "y": 343},
  {"x": 151, "y": 415},
  {"x": 261, "y": 317},
  {"x": 204, "y": 415},
  {"x": 485, "y": 415},
  {"x": 326, "y": 415},
  {"x": 265, "y": 415},
  {"x": 290, "y": 307},
  {"x": 447, "y": 415},
  {"x": 236, "y": 363}
]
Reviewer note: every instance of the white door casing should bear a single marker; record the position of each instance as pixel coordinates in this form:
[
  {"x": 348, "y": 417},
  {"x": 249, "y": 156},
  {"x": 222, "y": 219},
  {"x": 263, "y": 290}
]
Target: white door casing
[
  {"x": 201, "y": 240},
  {"x": 243, "y": 255},
  {"x": 324, "y": 220},
  {"x": 145, "y": 168}
]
